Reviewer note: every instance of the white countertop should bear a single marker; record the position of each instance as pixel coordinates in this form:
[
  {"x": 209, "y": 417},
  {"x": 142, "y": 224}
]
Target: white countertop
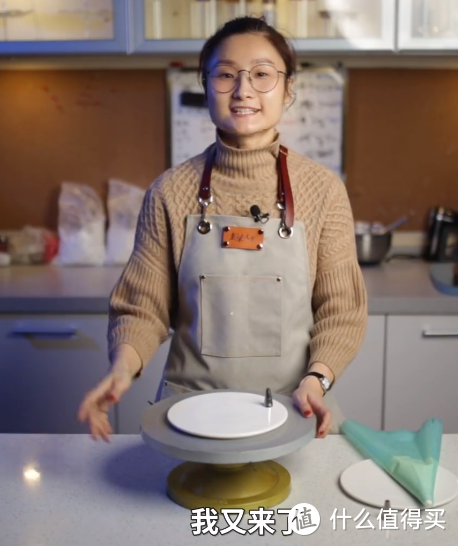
[
  {"x": 114, "y": 495},
  {"x": 56, "y": 289},
  {"x": 396, "y": 288},
  {"x": 404, "y": 287}
]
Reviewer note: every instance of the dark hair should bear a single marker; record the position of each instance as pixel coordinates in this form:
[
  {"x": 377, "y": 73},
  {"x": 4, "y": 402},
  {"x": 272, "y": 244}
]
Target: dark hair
[{"x": 246, "y": 25}]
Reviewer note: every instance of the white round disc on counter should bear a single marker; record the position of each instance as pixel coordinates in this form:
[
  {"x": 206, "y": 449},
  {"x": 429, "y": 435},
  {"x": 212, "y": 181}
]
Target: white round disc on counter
[
  {"x": 366, "y": 482},
  {"x": 226, "y": 415}
]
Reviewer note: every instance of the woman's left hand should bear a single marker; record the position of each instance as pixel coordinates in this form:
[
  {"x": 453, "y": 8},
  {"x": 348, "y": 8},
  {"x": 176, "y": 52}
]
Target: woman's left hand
[{"x": 308, "y": 398}]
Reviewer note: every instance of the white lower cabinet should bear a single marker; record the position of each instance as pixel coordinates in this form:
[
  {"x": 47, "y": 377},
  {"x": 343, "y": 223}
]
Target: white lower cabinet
[
  {"x": 421, "y": 372},
  {"x": 47, "y": 364},
  {"x": 359, "y": 390},
  {"x": 142, "y": 392},
  {"x": 405, "y": 373}
]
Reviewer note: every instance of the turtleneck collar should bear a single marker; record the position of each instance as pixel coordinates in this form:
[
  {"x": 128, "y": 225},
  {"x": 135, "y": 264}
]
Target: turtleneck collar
[{"x": 255, "y": 164}]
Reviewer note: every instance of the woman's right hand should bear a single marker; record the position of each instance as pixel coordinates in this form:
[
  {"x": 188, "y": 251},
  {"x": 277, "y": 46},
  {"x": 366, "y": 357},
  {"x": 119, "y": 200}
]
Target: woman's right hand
[{"x": 97, "y": 402}]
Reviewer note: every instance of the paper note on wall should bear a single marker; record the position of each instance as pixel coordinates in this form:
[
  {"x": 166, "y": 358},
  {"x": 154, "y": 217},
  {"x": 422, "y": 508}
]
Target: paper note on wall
[
  {"x": 312, "y": 126},
  {"x": 191, "y": 127}
]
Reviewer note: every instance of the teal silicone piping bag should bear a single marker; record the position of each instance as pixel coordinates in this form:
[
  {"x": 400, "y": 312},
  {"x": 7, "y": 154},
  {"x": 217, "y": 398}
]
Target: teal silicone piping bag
[{"x": 409, "y": 457}]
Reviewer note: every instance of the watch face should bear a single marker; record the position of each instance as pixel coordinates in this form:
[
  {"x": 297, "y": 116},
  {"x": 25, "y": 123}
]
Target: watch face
[{"x": 326, "y": 383}]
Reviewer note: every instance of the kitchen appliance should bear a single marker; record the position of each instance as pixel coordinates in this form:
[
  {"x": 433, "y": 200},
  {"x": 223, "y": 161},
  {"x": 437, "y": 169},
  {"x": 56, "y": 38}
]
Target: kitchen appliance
[{"x": 442, "y": 243}]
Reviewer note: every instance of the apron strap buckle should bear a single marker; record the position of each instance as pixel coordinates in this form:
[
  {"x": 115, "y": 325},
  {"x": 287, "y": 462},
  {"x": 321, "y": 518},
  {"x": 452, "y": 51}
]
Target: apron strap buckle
[
  {"x": 204, "y": 226},
  {"x": 284, "y": 231}
]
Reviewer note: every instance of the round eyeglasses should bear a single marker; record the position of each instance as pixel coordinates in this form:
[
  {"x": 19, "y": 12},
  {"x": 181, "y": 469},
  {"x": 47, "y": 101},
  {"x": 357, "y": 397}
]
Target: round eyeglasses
[{"x": 262, "y": 77}]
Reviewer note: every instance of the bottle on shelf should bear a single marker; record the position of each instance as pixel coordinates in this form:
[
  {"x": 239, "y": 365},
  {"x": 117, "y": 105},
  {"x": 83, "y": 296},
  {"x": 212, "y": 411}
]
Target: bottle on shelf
[
  {"x": 204, "y": 20},
  {"x": 156, "y": 23},
  {"x": 441, "y": 18},
  {"x": 269, "y": 12},
  {"x": 254, "y": 8},
  {"x": 328, "y": 25},
  {"x": 419, "y": 19},
  {"x": 303, "y": 18},
  {"x": 230, "y": 9},
  {"x": 166, "y": 19},
  {"x": 339, "y": 19},
  {"x": 298, "y": 18}
]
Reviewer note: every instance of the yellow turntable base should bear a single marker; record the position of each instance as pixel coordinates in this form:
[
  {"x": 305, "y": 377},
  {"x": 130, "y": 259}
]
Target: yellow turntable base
[{"x": 247, "y": 486}]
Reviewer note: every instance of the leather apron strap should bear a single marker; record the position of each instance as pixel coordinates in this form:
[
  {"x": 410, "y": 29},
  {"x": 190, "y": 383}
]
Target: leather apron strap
[
  {"x": 285, "y": 199},
  {"x": 205, "y": 194}
]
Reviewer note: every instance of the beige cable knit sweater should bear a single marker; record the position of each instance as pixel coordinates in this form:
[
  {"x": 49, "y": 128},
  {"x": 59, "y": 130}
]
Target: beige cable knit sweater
[{"x": 143, "y": 303}]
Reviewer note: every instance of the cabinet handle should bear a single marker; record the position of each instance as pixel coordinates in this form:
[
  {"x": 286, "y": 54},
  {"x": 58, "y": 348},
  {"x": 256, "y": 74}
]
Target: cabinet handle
[
  {"x": 51, "y": 331},
  {"x": 440, "y": 333}
]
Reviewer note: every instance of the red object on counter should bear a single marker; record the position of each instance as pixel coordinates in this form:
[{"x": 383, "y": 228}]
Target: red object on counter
[
  {"x": 51, "y": 247},
  {"x": 3, "y": 243}
]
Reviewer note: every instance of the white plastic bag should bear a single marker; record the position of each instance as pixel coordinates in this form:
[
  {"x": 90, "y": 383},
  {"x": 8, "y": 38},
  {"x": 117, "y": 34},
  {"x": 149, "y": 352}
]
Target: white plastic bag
[
  {"x": 124, "y": 205},
  {"x": 81, "y": 226}
]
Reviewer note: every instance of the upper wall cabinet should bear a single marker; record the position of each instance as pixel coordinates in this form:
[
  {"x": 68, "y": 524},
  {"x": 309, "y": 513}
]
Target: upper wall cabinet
[
  {"x": 314, "y": 26},
  {"x": 63, "y": 26},
  {"x": 181, "y": 26},
  {"x": 428, "y": 25}
]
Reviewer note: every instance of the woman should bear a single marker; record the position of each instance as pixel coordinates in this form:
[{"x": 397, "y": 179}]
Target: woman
[{"x": 272, "y": 299}]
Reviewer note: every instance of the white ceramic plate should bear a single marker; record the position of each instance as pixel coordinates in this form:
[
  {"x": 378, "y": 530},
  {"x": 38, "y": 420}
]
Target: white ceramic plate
[
  {"x": 366, "y": 482},
  {"x": 226, "y": 415}
]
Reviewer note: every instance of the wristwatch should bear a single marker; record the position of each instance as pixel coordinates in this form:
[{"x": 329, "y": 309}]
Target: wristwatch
[{"x": 324, "y": 381}]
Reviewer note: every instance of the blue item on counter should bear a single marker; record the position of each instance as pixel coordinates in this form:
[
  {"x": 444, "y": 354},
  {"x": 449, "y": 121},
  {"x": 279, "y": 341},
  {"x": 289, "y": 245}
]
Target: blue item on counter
[{"x": 442, "y": 276}]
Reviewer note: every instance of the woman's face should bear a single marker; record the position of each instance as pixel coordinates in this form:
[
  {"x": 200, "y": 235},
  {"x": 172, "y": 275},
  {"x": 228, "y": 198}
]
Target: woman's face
[{"x": 244, "y": 114}]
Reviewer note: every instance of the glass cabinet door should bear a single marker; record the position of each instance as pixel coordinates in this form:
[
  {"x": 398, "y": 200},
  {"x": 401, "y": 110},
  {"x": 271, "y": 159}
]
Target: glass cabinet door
[
  {"x": 428, "y": 25},
  {"x": 63, "y": 26},
  {"x": 341, "y": 25},
  {"x": 312, "y": 25}
]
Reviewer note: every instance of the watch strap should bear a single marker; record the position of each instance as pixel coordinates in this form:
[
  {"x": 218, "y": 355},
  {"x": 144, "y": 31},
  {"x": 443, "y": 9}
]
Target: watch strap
[{"x": 322, "y": 378}]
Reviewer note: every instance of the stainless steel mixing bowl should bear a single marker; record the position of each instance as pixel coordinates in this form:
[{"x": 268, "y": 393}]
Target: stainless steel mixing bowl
[{"x": 373, "y": 248}]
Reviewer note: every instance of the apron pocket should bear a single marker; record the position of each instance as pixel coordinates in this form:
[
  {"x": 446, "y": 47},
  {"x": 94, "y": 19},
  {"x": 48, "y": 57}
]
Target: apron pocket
[{"x": 241, "y": 316}]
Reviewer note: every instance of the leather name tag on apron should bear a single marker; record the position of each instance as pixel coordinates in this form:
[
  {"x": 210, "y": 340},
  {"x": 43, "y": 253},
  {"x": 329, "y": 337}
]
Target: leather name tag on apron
[{"x": 243, "y": 237}]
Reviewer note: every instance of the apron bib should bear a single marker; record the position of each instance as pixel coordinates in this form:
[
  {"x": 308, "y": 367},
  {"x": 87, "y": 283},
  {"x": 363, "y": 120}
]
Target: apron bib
[{"x": 245, "y": 315}]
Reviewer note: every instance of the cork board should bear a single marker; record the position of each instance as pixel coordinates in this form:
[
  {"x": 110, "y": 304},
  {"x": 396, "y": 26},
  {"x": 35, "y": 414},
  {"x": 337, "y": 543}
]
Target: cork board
[
  {"x": 77, "y": 125},
  {"x": 402, "y": 143}
]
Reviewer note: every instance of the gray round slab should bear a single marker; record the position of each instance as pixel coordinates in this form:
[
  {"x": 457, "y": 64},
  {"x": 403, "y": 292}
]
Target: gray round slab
[{"x": 156, "y": 431}]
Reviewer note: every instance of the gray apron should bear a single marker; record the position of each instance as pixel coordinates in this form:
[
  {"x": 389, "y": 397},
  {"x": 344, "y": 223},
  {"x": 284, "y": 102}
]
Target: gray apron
[{"x": 245, "y": 316}]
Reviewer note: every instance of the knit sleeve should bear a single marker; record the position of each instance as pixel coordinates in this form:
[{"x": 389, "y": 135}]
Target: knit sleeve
[
  {"x": 142, "y": 299},
  {"x": 339, "y": 295}
]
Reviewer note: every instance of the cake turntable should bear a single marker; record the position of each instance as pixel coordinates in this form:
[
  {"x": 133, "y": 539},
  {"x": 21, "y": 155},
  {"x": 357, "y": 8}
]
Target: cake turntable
[{"x": 228, "y": 439}]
